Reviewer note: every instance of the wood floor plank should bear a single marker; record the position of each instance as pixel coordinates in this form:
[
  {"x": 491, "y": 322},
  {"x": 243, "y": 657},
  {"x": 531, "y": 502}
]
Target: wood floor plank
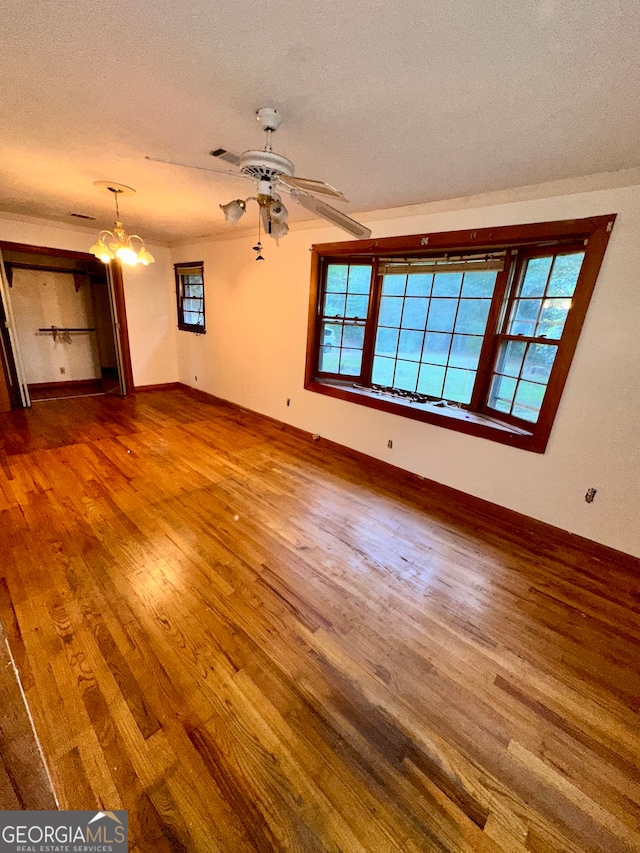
[{"x": 257, "y": 643}]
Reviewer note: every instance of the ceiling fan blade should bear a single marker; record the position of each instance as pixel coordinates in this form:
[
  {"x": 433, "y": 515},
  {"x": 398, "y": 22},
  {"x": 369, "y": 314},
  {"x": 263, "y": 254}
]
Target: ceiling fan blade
[
  {"x": 329, "y": 213},
  {"x": 193, "y": 166},
  {"x": 313, "y": 187},
  {"x": 229, "y": 156}
]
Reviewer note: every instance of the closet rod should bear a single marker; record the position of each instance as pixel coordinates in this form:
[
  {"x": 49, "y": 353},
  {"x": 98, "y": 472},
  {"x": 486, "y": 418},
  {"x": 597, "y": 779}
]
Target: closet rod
[{"x": 53, "y": 329}]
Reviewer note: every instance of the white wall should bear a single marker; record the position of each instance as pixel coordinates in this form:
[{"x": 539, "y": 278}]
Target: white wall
[
  {"x": 149, "y": 296},
  {"x": 254, "y": 354},
  {"x": 41, "y": 299}
]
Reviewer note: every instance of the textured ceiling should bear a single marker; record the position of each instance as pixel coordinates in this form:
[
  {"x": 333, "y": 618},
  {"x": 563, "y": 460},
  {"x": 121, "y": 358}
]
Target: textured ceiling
[{"x": 393, "y": 103}]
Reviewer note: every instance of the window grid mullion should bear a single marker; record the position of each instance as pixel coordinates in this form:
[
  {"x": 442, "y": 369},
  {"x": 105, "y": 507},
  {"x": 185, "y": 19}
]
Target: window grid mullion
[{"x": 371, "y": 324}]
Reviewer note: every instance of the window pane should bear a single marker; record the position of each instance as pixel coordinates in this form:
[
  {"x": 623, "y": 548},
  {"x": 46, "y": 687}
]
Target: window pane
[
  {"x": 390, "y": 310},
  {"x": 479, "y": 284},
  {"x": 465, "y": 351},
  {"x": 331, "y": 335},
  {"x": 394, "y": 285},
  {"x": 353, "y": 336},
  {"x": 458, "y": 385},
  {"x": 192, "y": 304},
  {"x": 350, "y": 362},
  {"x": 329, "y": 359},
  {"x": 387, "y": 342},
  {"x": 535, "y": 278},
  {"x": 431, "y": 380},
  {"x": 552, "y": 317},
  {"x": 436, "y": 348},
  {"x": 357, "y": 306},
  {"x": 406, "y": 375},
  {"x": 539, "y": 361},
  {"x": 472, "y": 316},
  {"x": 410, "y": 346},
  {"x": 337, "y": 278},
  {"x": 382, "y": 373},
  {"x": 359, "y": 279},
  {"x": 528, "y": 400},
  {"x": 334, "y": 305},
  {"x": 565, "y": 274},
  {"x": 414, "y": 314},
  {"x": 193, "y": 290},
  {"x": 510, "y": 358},
  {"x": 525, "y": 315},
  {"x": 442, "y": 313},
  {"x": 419, "y": 284},
  {"x": 447, "y": 284},
  {"x": 501, "y": 394}
]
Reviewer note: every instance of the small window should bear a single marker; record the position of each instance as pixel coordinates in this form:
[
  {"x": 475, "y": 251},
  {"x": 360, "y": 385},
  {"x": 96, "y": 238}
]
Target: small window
[{"x": 190, "y": 297}]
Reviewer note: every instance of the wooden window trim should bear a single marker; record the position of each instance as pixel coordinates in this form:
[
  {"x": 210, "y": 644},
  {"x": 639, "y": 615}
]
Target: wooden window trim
[
  {"x": 477, "y": 419},
  {"x": 182, "y": 326}
]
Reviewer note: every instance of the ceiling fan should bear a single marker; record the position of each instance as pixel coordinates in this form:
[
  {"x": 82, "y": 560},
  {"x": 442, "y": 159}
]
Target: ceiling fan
[{"x": 275, "y": 174}]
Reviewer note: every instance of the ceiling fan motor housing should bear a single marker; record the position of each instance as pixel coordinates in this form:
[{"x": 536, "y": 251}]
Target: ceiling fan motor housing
[{"x": 265, "y": 165}]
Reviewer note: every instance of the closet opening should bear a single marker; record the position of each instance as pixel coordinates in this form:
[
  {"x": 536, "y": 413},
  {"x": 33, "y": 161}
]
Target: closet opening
[{"x": 64, "y": 331}]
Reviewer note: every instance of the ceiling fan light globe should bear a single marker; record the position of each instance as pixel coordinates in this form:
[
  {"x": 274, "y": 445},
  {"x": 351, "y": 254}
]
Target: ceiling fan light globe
[
  {"x": 279, "y": 230},
  {"x": 233, "y": 210}
]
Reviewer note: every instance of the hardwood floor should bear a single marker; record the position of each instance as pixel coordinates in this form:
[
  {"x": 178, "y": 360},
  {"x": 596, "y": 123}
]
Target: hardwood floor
[
  {"x": 24, "y": 783},
  {"x": 254, "y": 642}
]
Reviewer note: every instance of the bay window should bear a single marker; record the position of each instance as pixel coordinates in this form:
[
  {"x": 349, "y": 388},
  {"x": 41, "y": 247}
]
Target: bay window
[{"x": 473, "y": 331}]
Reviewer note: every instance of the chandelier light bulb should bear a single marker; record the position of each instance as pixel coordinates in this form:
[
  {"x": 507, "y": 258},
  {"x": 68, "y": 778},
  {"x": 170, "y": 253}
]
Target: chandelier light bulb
[{"x": 127, "y": 255}]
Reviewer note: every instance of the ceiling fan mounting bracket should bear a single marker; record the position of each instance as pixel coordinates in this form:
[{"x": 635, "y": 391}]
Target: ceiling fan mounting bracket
[
  {"x": 112, "y": 186},
  {"x": 269, "y": 118}
]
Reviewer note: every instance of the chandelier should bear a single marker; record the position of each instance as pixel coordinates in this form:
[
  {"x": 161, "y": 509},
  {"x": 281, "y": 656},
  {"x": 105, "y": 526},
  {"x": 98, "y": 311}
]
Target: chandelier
[{"x": 117, "y": 244}]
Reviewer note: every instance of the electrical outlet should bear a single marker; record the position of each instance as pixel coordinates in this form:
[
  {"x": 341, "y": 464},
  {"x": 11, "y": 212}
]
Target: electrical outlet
[{"x": 390, "y": 444}]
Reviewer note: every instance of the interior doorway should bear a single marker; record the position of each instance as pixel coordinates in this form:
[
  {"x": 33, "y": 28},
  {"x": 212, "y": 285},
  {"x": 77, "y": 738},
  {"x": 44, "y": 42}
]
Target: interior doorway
[{"x": 64, "y": 330}]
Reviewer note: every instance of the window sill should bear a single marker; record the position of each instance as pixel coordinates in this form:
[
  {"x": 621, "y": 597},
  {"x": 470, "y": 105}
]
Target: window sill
[
  {"x": 195, "y": 330},
  {"x": 449, "y": 417}
]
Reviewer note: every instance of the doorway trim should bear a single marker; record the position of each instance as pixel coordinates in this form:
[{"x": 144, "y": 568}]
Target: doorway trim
[{"x": 121, "y": 328}]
